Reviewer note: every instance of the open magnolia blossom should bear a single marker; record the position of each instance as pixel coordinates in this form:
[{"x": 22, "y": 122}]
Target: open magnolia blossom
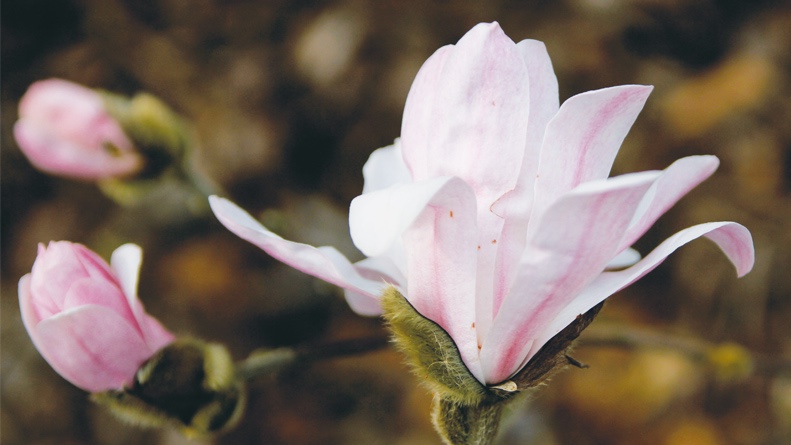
[
  {"x": 494, "y": 214},
  {"x": 84, "y": 316},
  {"x": 65, "y": 129}
]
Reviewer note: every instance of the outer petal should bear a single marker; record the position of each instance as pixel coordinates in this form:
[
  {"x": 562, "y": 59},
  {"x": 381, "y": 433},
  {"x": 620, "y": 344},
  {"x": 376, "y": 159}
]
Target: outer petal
[
  {"x": 467, "y": 113},
  {"x": 92, "y": 347},
  {"x": 582, "y": 140},
  {"x": 325, "y": 262},
  {"x": 734, "y": 240},
  {"x": 385, "y": 167},
  {"x": 378, "y": 219},
  {"x": 676, "y": 181},
  {"x": 441, "y": 252},
  {"x": 30, "y": 316},
  {"x": 55, "y": 269},
  {"x": 574, "y": 240}
]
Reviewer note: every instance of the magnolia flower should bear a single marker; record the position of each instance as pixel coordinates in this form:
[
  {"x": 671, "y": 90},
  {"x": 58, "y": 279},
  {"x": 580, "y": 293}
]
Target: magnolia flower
[
  {"x": 65, "y": 129},
  {"x": 84, "y": 316},
  {"x": 494, "y": 214}
]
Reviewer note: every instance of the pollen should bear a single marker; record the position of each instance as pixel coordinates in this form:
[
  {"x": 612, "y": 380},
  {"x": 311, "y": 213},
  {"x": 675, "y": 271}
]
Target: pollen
[
  {"x": 473, "y": 325},
  {"x": 494, "y": 241},
  {"x": 451, "y": 213}
]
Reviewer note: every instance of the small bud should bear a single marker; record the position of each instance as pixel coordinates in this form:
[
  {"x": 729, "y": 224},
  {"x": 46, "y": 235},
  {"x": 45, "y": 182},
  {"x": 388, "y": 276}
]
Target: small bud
[
  {"x": 65, "y": 129},
  {"x": 190, "y": 385},
  {"x": 84, "y": 316}
]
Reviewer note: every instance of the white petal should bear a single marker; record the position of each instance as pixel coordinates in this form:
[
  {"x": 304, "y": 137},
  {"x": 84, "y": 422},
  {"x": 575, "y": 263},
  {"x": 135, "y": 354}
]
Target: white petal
[
  {"x": 626, "y": 258},
  {"x": 385, "y": 167},
  {"x": 323, "y": 262}
]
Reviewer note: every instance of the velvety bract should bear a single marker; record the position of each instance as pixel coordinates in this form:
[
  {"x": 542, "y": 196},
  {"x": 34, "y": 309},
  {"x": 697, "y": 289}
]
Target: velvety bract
[
  {"x": 493, "y": 214},
  {"x": 65, "y": 129},
  {"x": 84, "y": 316}
]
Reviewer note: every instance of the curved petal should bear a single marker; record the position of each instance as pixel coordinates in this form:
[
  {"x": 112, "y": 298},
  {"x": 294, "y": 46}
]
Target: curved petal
[
  {"x": 378, "y": 219},
  {"x": 125, "y": 262},
  {"x": 325, "y": 262},
  {"x": 734, "y": 240},
  {"x": 581, "y": 141},
  {"x": 385, "y": 167},
  {"x": 30, "y": 316},
  {"x": 92, "y": 347},
  {"x": 676, "y": 181},
  {"x": 625, "y": 258},
  {"x": 574, "y": 240},
  {"x": 467, "y": 114},
  {"x": 441, "y": 253}
]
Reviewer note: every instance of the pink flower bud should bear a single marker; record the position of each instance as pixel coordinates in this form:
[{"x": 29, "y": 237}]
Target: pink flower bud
[
  {"x": 65, "y": 129},
  {"x": 84, "y": 316}
]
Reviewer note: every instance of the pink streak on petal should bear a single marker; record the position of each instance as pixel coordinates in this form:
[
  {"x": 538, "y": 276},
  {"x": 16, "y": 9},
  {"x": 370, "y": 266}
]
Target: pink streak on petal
[
  {"x": 441, "y": 263},
  {"x": 469, "y": 100},
  {"x": 573, "y": 242},
  {"x": 734, "y": 240},
  {"x": 582, "y": 140},
  {"x": 515, "y": 206}
]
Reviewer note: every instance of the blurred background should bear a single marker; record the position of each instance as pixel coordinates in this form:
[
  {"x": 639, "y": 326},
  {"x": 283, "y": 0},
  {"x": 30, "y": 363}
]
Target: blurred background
[{"x": 287, "y": 99}]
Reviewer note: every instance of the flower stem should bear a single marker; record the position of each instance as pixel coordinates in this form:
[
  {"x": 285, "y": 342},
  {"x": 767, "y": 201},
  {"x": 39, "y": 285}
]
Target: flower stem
[{"x": 264, "y": 362}]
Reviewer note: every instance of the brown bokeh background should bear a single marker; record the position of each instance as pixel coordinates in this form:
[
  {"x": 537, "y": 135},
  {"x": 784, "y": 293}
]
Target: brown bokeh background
[{"x": 286, "y": 101}]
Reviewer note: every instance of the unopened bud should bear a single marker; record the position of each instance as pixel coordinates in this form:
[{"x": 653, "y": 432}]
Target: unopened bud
[{"x": 190, "y": 385}]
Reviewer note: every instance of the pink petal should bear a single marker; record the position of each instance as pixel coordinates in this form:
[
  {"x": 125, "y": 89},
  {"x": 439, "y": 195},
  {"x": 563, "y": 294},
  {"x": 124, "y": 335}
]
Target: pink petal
[
  {"x": 92, "y": 347},
  {"x": 467, "y": 114},
  {"x": 416, "y": 126},
  {"x": 27, "y": 307},
  {"x": 676, "y": 181},
  {"x": 515, "y": 206},
  {"x": 53, "y": 154},
  {"x": 324, "y": 262},
  {"x": 86, "y": 291},
  {"x": 441, "y": 252},
  {"x": 55, "y": 269},
  {"x": 573, "y": 242},
  {"x": 582, "y": 140},
  {"x": 734, "y": 240},
  {"x": 385, "y": 167}
]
